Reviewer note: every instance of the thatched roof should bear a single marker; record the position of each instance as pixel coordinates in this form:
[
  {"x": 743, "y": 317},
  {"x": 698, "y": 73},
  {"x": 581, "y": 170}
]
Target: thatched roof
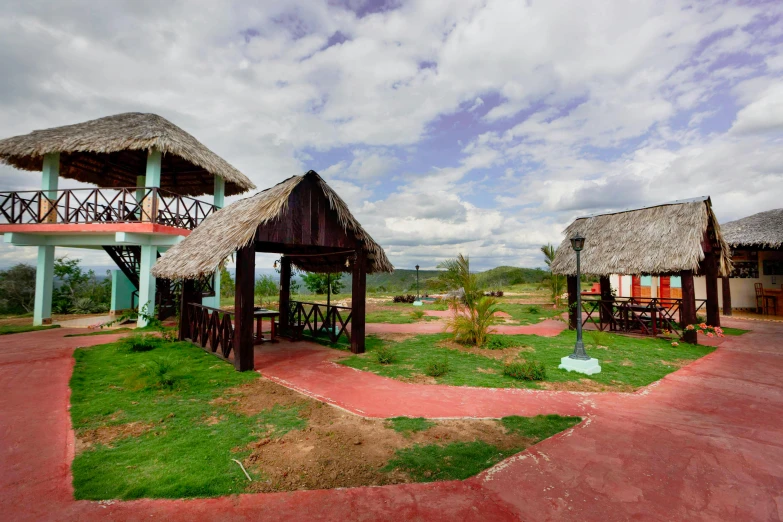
[
  {"x": 662, "y": 239},
  {"x": 236, "y": 226},
  {"x": 112, "y": 151},
  {"x": 762, "y": 230}
]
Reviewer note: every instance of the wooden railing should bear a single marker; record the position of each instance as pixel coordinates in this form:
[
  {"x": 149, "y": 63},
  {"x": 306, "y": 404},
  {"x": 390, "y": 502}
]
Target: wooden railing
[
  {"x": 645, "y": 315},
  {"x": 103, "y": 205},
  {"x": 211, "y": 328},
  {"x": 318, "y": 319}
]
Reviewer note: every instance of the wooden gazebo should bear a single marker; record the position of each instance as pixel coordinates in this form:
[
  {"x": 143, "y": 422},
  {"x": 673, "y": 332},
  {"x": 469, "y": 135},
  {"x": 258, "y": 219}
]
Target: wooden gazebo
[
  {"x": 681, "y": 238},
  {"x": 301, "y": 218}
]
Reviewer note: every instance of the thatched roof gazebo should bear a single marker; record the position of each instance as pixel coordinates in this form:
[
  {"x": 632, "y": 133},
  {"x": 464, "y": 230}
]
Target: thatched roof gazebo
[
  {"x": 112, "y": 152},
  {"x": 763, "y": 231},
  {"x": 679, "y": 238},
  {"x": 301, "y": 218}
]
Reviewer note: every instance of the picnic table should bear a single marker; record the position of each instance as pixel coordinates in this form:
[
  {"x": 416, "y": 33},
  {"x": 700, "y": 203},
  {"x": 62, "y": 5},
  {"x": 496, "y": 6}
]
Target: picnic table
[{"x": 260, "y": 314}]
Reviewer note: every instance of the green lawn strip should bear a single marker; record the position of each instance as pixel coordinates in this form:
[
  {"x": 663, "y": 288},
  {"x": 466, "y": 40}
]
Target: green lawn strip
[
  {"x": 734, "y": 331},
  {"x": 7, "y": 329},
  {"x": 408, "y": 425},
  {"x": 398, "y": 317},
  {"x": 529, "y": 314},
  {"x": 625, "y": 360},
  {"x": 460, "y": 460},
  {"x": 182, "y": 454}
]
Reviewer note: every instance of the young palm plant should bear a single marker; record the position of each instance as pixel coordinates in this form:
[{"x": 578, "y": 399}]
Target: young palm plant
[
  {"x": 473, "y": 312},
  {"x": 555, "y": 282}
]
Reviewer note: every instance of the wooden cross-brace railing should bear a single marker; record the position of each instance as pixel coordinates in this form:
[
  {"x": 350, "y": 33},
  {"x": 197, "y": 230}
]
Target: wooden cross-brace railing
[
  {"x": 318, "y": 318},
  {"x": 648, "y": 315}
]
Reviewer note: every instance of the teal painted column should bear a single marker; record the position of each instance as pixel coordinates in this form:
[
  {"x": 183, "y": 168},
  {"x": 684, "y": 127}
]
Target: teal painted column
[
  {"x": 219, "y": 198},
  {"x": 121, "y": 292},
  {"x": 44, "y": 274},
  {"x": 149, "y": 253}
]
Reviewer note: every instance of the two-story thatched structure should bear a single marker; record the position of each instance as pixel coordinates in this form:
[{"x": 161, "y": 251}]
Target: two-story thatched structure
[
  {"x": 681, "y": 238},
  {"x": 301, "y": 218}
]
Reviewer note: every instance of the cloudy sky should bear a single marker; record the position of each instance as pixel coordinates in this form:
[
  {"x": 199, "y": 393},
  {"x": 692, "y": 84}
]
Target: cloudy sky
[{"x": 448, "y": 126}]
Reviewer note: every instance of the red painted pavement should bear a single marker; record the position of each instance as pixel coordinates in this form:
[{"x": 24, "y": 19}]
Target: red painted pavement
[{"x": 703, "y": 444}]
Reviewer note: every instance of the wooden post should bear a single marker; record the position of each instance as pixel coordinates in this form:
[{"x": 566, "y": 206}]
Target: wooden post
[
  {"x": 243, "y": 309},
  {"x": 189, "y": 295},
  {"x": 285, "y": 293},
  {"x": 726, "y": 295},
  {"x": 573, "y": 287},
  {"x": 710, "y": 265},
  {"x": 688, "y": 307},
  {"x": 358, "y": 304},
  {"x": 606, "y": 297}
]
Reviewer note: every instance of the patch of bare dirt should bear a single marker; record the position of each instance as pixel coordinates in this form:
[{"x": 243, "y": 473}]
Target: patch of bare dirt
[
  {"x": 678, "y": 363},
  {"x": 395, "y": 337},
  {"x": 107, "y": 434},
  {"x": 419, "y": 378},
  {"x": 626, "y": 362},
  {"x": 586, "y": 385},
  {"x": 339, "y": 449},
  {"x": 257, "y": 396}
]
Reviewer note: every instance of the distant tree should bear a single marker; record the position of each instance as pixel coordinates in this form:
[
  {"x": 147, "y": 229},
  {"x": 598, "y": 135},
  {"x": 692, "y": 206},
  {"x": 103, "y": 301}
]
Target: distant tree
[
  {"x": 555, "y": 282},
  {"x": 227, "y": 286},
  {"x": 17, "y": 288},
  {"x": 77, "y": 291},
  {"x": 266, "y": 286},
  {"x": 318, "y": 283}
]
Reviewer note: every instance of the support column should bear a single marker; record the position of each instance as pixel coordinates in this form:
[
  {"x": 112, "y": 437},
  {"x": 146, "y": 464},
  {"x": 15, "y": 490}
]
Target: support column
[
  {"x": 121, "y": 292},
  {"x": 285, "y": 293},
  {"x": 710, "y": 265},
  {"x": 218, "y": 199},
  {"x": 573, "y": 287},
  {"x": 44, "y": 275},
  {"x": 189, "y": 295},
  {"x": 243, "y": 308},
  {"x": 606, "y": 295},
  {"x": 688, "y": 306},
  {"x": 358, "y": 302},
  {"x": 147, "y": 283},
  {"x": 726, "y": 282}
]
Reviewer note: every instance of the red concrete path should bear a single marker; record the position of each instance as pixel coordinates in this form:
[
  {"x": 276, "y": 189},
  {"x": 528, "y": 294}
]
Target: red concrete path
[{"x": 704, "y": 444}]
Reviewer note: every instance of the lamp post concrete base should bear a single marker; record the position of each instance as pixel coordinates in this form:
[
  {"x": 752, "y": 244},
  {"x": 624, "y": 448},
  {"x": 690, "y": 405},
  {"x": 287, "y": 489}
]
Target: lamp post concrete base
[{"x": 586, "y": 366}]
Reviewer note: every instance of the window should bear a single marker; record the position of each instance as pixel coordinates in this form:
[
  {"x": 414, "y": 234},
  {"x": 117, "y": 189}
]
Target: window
[
  {"x": 646, "y": 280},
  {"x": 675, "y": 282}
]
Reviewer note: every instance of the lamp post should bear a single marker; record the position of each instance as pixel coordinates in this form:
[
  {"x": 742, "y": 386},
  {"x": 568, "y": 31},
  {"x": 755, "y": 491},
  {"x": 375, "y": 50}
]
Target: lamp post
[
  {"x": 578, "y": 243},
  {"x": 417, "y": 302},
  {"x": 579, "y": 361}
]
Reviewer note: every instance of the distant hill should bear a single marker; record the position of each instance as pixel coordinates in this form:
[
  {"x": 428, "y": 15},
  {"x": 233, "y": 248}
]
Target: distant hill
[{"x": 402, "y": 280}]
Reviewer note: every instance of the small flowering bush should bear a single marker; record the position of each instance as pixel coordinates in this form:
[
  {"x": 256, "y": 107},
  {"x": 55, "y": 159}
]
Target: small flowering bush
[
  {"x": 704, "y": 328},
  {"x": 675, "y": 344}
]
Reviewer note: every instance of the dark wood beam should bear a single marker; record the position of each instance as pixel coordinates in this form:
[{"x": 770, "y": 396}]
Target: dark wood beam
[
  {"x": 285, "y": 293},
  {"x": 189, "y": 295},
  {"x": 710, "y": 271},
  {"x": 688, "y": 306},
  {"x": 243, "y": 309},
  {"x": 358, "y": 302}
]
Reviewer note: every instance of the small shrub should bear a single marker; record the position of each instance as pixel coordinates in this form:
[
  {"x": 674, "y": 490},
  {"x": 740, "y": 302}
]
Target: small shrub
[
  {"x": 533, "y": 310},
  {"x": 160, "y": 373},
  {"x": 525, "y": 370},
  {"x": 700, "y": 319},
  {"x": 385, "y": 355},
  {"x": 494, "y": 293},
  {"x": 169, "y": 335},
  {"x": 404, "y": 298},
  {"x": 498, "y": 342},
  {"x": 417, "y": 315},
  {"x": 436, "y": 368},
  {"x": 141, "y": 342}
]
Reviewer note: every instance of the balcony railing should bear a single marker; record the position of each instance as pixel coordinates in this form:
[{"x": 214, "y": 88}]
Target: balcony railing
[{"x": 103, "y": 205}]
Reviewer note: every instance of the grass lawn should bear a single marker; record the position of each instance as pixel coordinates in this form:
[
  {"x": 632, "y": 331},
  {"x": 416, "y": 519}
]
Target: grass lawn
[
  {"x": 17, "y": 328},
  {"x": 626, "y": 362},
  {"x": 529, "y": 314},
  {"x": 734, "y": 331},
  {"x": 168, "y": 422}
]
